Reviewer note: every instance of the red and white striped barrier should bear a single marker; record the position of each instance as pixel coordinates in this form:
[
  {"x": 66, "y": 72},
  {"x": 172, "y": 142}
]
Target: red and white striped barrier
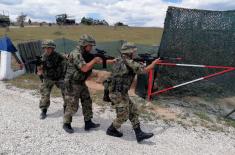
[{"x": 150, "y": 81}]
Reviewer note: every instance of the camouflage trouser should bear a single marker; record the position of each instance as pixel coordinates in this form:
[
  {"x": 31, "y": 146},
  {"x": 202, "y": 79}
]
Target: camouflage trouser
[
  {"x": 45, "y": 91},
  {"x": 72, "y": 102},
  {"x": 125, "y": 109}
]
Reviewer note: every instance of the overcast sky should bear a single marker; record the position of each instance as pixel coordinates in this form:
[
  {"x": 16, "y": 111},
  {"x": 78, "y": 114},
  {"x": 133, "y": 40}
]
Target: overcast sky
[{"x": 142, "y": 13}]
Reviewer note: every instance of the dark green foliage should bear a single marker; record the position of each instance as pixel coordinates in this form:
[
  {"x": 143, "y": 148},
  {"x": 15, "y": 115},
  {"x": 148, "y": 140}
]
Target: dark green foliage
[
  {"x": 91, "y": 21},
  {"x": 199, "y": 37}
]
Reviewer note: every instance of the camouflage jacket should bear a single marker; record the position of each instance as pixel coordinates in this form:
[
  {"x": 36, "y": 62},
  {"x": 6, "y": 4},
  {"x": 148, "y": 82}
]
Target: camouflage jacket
[
  {"x": 75, "y": 62},
  {"x": 53, "y": 66},
  {"x": 123, "y": 74}
]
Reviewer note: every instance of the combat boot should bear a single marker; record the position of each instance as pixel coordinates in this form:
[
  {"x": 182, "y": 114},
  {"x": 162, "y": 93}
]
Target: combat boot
[
  {"x": 140, "y": 135},
  {"x": 89, "y": 125},
  {"x": 67, "y": 127},
  {"x": 43, "y": 114},
  {"x": 112, "y": 131}
]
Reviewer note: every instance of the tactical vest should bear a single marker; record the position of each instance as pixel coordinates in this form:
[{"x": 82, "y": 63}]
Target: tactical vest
[
  {"x": 79, "y": 76},
  {"x": 74, "y": 73},
  {"x": 53, "y": 66},
  {"x": 122, "y": 77}
]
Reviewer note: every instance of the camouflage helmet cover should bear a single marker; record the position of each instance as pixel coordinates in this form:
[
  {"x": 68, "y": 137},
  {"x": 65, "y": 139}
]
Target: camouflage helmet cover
[
  {"x": 128, "y": 47},
  {"x": 87, "y": 40},
  {"x": 48, "y": 43}
]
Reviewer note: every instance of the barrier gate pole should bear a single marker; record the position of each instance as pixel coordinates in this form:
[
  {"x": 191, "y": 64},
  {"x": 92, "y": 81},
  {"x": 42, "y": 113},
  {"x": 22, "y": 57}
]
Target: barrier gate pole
[
  {"x": 150, "y": 80},
  {"x": 150, "y": 84}
]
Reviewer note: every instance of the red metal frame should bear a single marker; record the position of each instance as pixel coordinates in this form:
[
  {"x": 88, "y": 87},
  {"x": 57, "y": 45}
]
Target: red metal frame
[{"x": 150, "y": 80}]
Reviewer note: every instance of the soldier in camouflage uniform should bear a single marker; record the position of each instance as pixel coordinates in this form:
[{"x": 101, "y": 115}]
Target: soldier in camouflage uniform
[
  {"x": 122, "y": 77},
  {"x": 52, "y": 70},
  {"x": 80, "y": 64}
]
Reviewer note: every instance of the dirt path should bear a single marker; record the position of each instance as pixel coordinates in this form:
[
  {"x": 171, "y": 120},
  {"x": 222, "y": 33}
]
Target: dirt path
[{"x": 22, "y": 132}]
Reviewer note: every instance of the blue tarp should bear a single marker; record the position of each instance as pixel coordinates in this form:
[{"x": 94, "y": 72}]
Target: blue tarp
[{"x": 7, "y": 45}]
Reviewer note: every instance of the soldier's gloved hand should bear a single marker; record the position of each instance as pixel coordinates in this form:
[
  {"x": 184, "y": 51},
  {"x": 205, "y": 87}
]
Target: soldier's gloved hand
[{"x": 68, "y": 85}]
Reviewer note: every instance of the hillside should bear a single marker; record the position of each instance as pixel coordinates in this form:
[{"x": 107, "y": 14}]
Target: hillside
[{"x": 141, "y": 35}]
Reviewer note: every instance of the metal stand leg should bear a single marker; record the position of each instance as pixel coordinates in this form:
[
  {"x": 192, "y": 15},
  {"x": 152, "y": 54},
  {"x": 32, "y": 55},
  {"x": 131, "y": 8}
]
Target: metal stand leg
[{"x": 230, "y": 113}]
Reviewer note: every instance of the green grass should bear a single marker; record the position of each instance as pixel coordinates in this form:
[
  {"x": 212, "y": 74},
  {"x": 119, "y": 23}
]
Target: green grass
[
  {"x": 147, "y": 36},
  {"x": 230, "y": 122},
  {"x": 31, "y": 82},
  {"x": 26, "y": 81},
  {"x": 226, "y": 121},
  {"x": 203, "y": 116}
]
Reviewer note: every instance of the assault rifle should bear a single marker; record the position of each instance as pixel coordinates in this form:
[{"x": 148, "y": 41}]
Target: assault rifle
[
  {"x": 148, "y": 58},
  {"x": 37, "y": 62},
  {"x": 102, "y": 54},
  {"x": 98, "y": 53}
]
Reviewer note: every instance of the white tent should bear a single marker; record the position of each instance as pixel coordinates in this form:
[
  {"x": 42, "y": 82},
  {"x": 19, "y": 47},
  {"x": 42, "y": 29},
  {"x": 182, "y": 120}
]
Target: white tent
[{"x": 7, "y": 49}]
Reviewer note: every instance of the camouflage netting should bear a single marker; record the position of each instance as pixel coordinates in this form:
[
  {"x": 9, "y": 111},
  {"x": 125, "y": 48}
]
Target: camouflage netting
[
  {"x": 64, "y": 45},
  {"x": 199, "y": 37}
]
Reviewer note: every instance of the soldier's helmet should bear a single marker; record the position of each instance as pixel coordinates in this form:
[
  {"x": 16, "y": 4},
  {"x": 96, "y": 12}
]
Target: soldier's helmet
[
  {"x": 128, "y": 47},
  {"x": 87, "y": 40},
  {"x": 48, "y": 43}
]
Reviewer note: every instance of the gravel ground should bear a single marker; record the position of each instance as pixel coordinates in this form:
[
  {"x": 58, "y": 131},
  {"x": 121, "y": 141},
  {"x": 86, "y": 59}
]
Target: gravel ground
[{"x": 22, "y": 132}]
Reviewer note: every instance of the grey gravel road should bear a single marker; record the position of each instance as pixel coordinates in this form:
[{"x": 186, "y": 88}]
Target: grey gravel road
[{"x": 22, "y": 132}]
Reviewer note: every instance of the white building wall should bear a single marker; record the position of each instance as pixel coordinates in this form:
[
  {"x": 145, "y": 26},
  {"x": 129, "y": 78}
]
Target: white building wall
[{"x": 6, "y": 72}]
